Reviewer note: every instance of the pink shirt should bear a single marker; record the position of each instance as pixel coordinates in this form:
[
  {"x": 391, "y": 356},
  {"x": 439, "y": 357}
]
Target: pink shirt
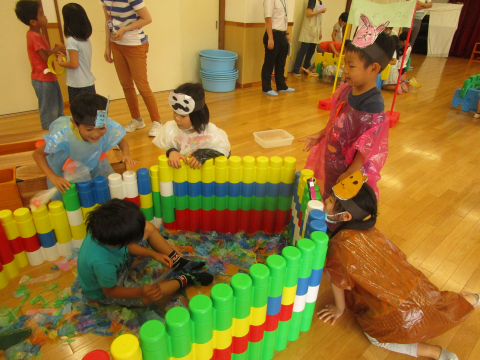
[{"x": 36, "y": 42}]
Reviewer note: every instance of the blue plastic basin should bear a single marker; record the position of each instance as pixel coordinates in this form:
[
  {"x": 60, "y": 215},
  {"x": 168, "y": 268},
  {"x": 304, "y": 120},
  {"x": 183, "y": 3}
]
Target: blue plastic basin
[
  {"x": 218, "y": 85},
  {"x": 218, "y": 60}
]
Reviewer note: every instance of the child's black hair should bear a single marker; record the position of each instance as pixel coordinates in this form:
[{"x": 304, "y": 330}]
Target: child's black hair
[
  {"x": 384, "y": 41},
  {"x": 75, "y": 22},
  {"x": 86, "y": 105},
  {"x": 116, "y": 223},
  {"x": 365, "y": 200},
  {"x": 201, "y": 117},
  {"x": 344, "y": 17},
  {"x": 27, "y": 10},
  {"x": 403, "y": 36}
]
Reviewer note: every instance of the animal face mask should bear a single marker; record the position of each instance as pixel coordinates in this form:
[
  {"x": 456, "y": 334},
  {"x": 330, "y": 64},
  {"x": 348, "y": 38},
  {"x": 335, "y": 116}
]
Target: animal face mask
[
  {"x": 348, "y": 188},
  {"x": 184, "y": 104},
  {"x": 367, "y": 33}
]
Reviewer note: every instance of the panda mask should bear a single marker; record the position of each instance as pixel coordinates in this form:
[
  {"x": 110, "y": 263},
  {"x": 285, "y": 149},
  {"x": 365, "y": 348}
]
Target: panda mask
[{"x": 184, "y": 104}]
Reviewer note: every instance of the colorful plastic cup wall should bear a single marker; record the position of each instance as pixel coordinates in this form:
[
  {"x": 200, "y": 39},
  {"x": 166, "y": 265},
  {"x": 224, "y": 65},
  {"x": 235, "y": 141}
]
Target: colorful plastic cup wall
[
  {"x": 238, "y": 194},
  {"x": 250, "y": 318},
  {"x": 225, "y": 195}
]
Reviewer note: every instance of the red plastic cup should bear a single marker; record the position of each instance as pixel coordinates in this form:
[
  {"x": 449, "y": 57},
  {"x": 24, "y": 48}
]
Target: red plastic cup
[
  {"x": 181, "y": 217},
  {"x": 97, "y": 355},
  {"x": 232, "y": 221},
  {"x": 257, "y": 220},
  {"x": 207, "y": 220},
  {"x": 194, "y": 220},
  {"x": 269, "y": 221},
  {"x": 244, "y": 222},
  {"x": 220, "y": 221}
]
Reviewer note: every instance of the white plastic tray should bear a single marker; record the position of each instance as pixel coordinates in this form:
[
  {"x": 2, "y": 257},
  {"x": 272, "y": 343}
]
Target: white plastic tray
[{"x": 273, "y": 138}]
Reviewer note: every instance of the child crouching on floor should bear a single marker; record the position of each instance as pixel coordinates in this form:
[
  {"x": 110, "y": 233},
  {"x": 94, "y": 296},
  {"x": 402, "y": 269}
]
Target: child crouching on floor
[
  {"x": 117, "y": 233},
  {"x": 395, "y": 304},
  {"x": 191, "y": 136}
]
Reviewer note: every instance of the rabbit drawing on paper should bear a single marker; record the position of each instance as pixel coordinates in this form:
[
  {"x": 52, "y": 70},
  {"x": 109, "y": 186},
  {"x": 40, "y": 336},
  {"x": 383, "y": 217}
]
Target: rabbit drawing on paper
[{"x": 367, "y": 33}]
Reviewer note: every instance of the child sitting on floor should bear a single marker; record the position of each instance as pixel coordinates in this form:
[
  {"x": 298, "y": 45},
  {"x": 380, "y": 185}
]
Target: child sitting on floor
[
  {"x": 403, "y": 41},
  {"x": 117, "y": 232},
  {"x": 395, "y": 63},
  {"x": 395, "y": 304},
  {"x": 356, "y": 136},
  {"x": 84, "y": 138},
  {"x": 191, "y": 135}
]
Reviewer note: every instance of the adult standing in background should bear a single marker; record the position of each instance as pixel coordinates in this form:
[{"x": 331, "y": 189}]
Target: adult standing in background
[
  {"x": 419, "y": 15},
  {"x": 128, "y": 44},
  {"x": 310, "y": 35},
  {"x": 276, "y": 41}
]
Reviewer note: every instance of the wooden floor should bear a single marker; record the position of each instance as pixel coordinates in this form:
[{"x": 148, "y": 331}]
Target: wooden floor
[{"x": 430, "y": 193}]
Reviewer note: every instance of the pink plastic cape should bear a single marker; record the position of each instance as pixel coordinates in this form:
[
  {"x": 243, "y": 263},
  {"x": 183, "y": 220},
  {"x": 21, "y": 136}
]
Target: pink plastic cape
[
  {"x": 347, "y": 132},
  {"x": 392, "y": 301}
]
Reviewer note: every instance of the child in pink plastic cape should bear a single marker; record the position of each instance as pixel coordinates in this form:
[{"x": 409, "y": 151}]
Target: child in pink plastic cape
[{"x": 356, "y": 135}]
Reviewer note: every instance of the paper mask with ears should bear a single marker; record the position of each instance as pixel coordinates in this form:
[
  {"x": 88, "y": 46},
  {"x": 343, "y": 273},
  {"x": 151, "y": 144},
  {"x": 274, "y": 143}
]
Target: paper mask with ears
[
  {"x": 184, "y": 104},
  {"x": 367, "y": 33}
]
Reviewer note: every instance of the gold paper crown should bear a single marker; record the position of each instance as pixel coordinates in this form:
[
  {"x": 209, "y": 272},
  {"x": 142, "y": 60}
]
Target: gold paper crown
[{"x": 348, "y": 188}]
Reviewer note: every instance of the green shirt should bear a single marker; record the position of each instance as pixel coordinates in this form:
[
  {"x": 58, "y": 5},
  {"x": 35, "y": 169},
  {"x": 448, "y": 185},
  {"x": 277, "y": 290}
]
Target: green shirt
[{"x": 98, "y": 266}]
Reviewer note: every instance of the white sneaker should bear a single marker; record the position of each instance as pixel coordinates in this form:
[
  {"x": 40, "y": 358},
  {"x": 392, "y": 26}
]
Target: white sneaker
[
  {"x": 155, "y": 129},
  {"x": 134, "y": 125},
  {"x": 476, "y": 116}
]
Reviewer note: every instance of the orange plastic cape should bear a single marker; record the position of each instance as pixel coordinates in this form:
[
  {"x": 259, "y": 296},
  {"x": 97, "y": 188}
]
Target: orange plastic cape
[{"x": 392, "y": 301}]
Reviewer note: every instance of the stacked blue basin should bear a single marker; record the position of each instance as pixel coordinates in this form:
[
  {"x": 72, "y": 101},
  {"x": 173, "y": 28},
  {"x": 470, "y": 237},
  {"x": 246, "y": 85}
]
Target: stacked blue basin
[{"x": 218, "y": 71}]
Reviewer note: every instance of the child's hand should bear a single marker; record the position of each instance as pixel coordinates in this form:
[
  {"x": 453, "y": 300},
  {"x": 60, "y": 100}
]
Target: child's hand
[
  {"x": 310, "y": 141},
  {"x": 330, "y": 312},
  {"x": 174, "y": 159},
  {"x": 164, "y": 259},
  {"x": 119, "y": 34},
  {"x": 60, "y": 60},
  {"x": 59, "y": 48},
  {"x": 129, "y": 161},
  {"x": 151, "y": 293},
  {"x": 60, "y": 183},
  {"x": 194, "y": 163}
]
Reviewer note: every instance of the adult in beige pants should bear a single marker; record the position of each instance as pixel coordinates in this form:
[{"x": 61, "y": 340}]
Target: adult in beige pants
[{"x": 126, "y": 46}]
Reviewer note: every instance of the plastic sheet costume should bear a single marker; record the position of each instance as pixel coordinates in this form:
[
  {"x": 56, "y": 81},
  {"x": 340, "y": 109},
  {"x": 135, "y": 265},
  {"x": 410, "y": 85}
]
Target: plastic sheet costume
[
  {"x": 62, "y": 144},
  {"x": 347, "y": 132},
  {"x": 199, "y": 145},
  {"x": 392, "y": 301}
]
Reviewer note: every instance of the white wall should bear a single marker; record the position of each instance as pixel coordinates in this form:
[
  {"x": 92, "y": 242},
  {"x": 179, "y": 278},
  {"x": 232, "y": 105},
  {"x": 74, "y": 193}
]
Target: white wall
[
  {"x": 251, "y": 11},
  {"x": 199, "y": 34},
  {"x": 178, "y": 31},
  {"x": 16, "y": 91},
  {"x": 236, "y": 10},
  {"x": 49, "y": 10}
]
